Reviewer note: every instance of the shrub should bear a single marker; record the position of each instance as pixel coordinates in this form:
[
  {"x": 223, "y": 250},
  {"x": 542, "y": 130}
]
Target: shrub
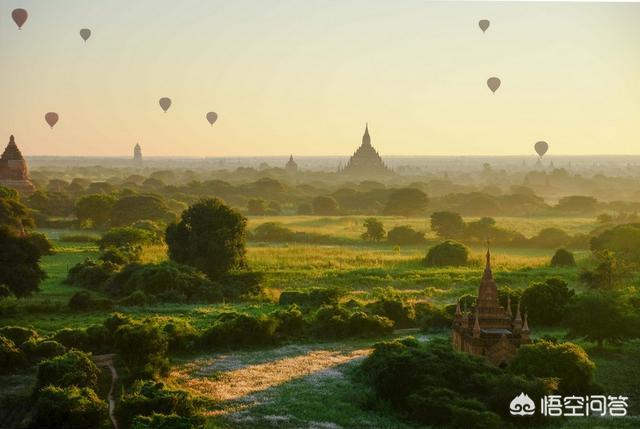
[
  {"x": 18, "y": 334},
  {"x": 405, "y": 235},
  {"x": 11, "y": 357},
  {"x": 125, "y": 236},
  {"x": 166, "y": 281},
  {"x": 72, "y": 337},
  {"x": 38, "y": 350},
  {"x": 338, "y": 322},
  {"x": 147, "y": 398},
  {"x": 84, "y": 301},
  {"x": 242, "y": 285},
  {"x": 20, "y": 270},
  {"x": 89, "y": 274},
  {"x": 69, "y": 408},
  {"x": 74, "y": 368},
  {"x": 313, "y": 297},
  {"x": 143, "y": 348},
  {"x": 272, "y": 232},
  {"x": 431, "y": 384},
  {"x": 402, "y": 315},
  {"x": 447, "y": 253},
  {"x": 118, "y": 256},
  {"x": 135, "y": 299},
  {"x": 180, "y": 335},
  {"x": 290, "y": 322},
  {"x": 430, "y": 316},
  {"x": 233, "y": 329},
  {"x": 567, "y": 362}
]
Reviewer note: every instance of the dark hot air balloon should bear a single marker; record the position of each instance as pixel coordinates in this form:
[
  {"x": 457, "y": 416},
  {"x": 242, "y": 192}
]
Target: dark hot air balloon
[
  {"x": 541, "y": 148},
  {"x": 484, "y": 24},
  {"x": 165, "y": 103},
  {"x": 212, "y": 117},
  {"x": 19, "y": 17},
  {"x": 51, "y": 118},
  {"x": 85, "y": 33},
  {"x": 493, "y": 83}
]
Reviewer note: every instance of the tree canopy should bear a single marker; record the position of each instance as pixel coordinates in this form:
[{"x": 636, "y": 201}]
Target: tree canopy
[{"x": 210, "y": 237}]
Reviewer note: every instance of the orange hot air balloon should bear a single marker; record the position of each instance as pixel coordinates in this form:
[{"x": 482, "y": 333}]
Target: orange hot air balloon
[
  {"x": 165, "y": 103},
  {"x": 493, "y": 83},
  {"x": 484, "y": 24},
  {"x": 212, "y": 117},
  {"x": 19, "y": 17},
  {"x": 51, "y": 118},
  {"x": 85, "y": 33}
]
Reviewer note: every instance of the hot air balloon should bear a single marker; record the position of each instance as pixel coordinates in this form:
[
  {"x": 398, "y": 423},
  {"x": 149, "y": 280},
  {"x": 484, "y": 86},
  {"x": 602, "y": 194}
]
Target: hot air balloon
[
  {"x": 19, "y": 17},
  {"x": 493, "y": 83},
  {"x": 541, "y": 148},
  {"x": 212, "y": 117},
  {"x": 51, "y": 118},
  {"x": 85, "y": 33},
  {"x": 165, "y": 103},
  {"x": 484, "y": 24}
]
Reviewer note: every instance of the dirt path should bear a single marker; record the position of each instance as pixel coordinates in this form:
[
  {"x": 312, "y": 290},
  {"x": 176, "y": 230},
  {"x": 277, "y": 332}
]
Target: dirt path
[{"x": 107, "y": 360}]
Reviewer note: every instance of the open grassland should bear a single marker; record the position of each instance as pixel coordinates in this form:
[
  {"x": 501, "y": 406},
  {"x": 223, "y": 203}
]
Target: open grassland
[
  {"x": 359, "y": 270},
  {"x": 350, "y": 227}
]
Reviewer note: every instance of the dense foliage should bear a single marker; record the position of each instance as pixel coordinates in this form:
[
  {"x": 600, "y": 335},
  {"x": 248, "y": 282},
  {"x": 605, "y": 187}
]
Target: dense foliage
[
  {"x": 210, "y": 236},
  {"x": 447, "y": 253}
]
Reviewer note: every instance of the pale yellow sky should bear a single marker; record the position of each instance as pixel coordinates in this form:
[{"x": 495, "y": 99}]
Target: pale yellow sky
[{"x": 302, "y": 77}]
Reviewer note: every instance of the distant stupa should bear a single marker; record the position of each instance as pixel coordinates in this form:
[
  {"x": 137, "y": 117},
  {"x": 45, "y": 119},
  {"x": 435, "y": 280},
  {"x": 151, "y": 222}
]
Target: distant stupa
[
  {"x": 366, "y": 162},
  {"x": 137, "y": 154},
  {"x": 13, "y": 169},
  {"x": 291, "y": 165}
]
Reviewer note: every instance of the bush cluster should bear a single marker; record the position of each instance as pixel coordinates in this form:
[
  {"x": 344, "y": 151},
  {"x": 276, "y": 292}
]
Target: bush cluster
[{"x": 433, "y": 385}]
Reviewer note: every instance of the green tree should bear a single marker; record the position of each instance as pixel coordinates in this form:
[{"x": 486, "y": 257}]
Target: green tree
[
  {"x": 19, "y": 264},
  {"x": 375, "y": 229},
  {"x": 601, "y": 316},
  {"x": 13, "y": 214},
  {"x": 547, "y": 303},
  {"x": 567, "y": 362},
  {"x": 405, "y": 235},
  {"x": 406, "y": 202},
  {"x": 143, "y": 348},
  {"x": 577, "y": 204},
  {"x": 609, "y": 273},
  {"x": 447, "y": 253},
  {"x": 257, "y": 206},
  {"x": 210, "y": 236},
  {"x": 325, "y": 205},
  {"x": 623, "y": 240},
  {"x": 128, "y": 210},
  {"x": 447, "y": 224},
  {"x": 563, "y": 258},
  {"x": 94, "y": 210}
]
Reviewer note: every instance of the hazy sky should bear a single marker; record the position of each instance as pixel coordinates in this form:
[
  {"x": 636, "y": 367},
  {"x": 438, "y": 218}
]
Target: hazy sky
[{"x": 302, "y": 77}]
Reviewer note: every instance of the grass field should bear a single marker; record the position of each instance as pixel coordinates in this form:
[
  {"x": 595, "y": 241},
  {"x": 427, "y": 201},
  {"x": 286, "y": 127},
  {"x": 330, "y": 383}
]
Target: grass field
[{"x": 351, "y": 226}]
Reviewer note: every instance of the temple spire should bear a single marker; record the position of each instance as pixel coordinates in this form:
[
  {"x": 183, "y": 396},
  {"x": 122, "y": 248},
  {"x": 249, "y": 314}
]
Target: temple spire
[
  {"x": 458, "y": 312},
  {"x": 476, "y": 326},
  {"x": 366, "y": 139},
  {"x": 508, "y": 311},
  {"x": 525, "y": 328}
]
